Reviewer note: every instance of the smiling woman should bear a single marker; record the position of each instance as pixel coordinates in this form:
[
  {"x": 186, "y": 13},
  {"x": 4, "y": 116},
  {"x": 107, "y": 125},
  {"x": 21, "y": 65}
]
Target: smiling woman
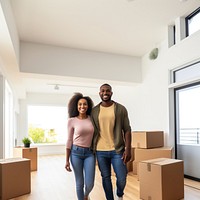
[{"x": 47, "y": 124}]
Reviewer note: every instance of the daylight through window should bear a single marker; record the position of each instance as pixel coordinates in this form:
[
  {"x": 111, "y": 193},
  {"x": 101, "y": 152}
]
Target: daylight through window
[
  {"x": 193, "y": 22},
  {"x": 47, "y": 124}
]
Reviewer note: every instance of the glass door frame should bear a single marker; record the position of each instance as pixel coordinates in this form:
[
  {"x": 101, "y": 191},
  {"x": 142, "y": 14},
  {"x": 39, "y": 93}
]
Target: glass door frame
[{"x": 176, "y": 121}]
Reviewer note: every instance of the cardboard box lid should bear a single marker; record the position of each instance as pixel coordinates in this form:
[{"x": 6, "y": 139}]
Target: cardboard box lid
[
  {"x": 165, "y": 148},
  {"x": 148, "y": 154},
  {"x": 147, "y": 132},
  {"x": 22, "y": 147},
  {"x": 11, "y": 160},
  {"x": 161, "y": 161}
]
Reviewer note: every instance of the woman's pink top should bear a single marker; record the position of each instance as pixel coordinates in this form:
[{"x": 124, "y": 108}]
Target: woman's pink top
[{"x": 80, "y": 132}]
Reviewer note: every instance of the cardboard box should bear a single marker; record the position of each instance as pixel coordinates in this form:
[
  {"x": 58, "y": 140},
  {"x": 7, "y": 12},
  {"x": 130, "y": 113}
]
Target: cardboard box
[
  {"x": 161, "y": 179},
  {"x": 147, "y": 139},
  {"x": 30, "y": 153},
  {"x": 129, "y": 164},
  {"x": 15, "y": 177},
  {"x": 147, "y": 154},
  {"x": 132, "y": 154},
  {"x": 135, "y": 166}
]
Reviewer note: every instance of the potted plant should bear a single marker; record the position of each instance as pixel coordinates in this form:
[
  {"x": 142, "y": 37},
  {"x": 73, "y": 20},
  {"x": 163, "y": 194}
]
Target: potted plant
[{"x": 26, "y": 141}]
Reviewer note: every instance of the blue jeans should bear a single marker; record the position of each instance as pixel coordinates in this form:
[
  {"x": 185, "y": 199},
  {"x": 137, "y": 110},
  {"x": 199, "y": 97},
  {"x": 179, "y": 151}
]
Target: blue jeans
[
  {"x": 83, "y": 163},
  {"x": 105, "y": 160}
]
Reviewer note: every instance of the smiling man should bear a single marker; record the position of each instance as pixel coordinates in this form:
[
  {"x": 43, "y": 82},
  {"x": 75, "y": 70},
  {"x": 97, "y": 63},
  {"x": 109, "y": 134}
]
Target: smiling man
[{"x": 112, "y": 141}]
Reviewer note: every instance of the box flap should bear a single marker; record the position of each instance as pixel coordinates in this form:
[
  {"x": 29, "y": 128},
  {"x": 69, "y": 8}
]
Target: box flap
[
  {"x": 11, "y": 160},
  {"x": 161, "y": 161}
]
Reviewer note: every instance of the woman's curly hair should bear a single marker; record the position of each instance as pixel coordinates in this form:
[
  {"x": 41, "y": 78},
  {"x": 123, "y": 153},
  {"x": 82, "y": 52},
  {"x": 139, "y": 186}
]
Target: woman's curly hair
[{"x": 73, "y": 102}]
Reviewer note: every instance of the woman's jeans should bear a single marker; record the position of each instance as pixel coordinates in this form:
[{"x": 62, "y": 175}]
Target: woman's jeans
[
  {"x": 105, "y": 160},
  {"x": 83, "y": 163}
]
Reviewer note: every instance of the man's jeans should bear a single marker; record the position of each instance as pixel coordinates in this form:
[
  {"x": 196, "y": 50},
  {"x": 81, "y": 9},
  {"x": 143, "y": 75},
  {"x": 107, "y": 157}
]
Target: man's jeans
[
  {"x": 105, "y": 160},
  {"x": 83, "y": 163}
]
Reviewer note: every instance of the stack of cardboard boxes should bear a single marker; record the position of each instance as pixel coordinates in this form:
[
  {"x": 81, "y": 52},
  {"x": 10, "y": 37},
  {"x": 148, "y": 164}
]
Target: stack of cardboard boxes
[
  {"x": 15, "y": 173},
  {"x": 148, "y": 145},
  {"x": 160, "y": 176},
  {"x": 29, "y": 153}
]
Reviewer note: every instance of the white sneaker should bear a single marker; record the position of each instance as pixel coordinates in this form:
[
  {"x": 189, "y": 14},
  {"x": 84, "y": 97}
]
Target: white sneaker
[{"x": 116, "y": 197}]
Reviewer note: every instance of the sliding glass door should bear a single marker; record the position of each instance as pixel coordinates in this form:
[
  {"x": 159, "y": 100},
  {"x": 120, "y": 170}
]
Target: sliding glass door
[{"x": 187, "y": 115}]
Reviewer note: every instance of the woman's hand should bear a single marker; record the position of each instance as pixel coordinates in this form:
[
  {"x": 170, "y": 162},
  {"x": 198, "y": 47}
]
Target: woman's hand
[{"x": 67, "y": 166}]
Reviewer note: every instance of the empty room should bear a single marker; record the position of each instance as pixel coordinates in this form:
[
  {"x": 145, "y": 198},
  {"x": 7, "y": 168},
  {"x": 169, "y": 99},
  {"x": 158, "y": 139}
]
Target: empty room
[{"x": 66, "y": 65}]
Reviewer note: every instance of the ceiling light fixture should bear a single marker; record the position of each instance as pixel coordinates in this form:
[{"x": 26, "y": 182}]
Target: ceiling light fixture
[{"x": 56, "y": 87}]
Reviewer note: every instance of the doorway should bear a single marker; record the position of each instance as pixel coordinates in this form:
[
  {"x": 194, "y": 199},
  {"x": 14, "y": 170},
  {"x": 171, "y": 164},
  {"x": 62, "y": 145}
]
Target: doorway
[{"x": 187, "y": 128}]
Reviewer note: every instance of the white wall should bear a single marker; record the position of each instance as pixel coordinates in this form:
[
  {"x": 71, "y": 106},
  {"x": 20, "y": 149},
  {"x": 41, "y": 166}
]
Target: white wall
[
  {"x": 150, "y": 99},
  {"x": 52, "y": 149},
  {"x": 10, "y": 23},
  {"x": 2, "y": 117},
  {"x": 9, "y": 50},
  {"x": 46, "y": 59}
]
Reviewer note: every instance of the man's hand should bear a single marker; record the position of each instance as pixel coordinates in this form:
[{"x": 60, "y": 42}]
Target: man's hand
[{"x": 126, "y": 155}]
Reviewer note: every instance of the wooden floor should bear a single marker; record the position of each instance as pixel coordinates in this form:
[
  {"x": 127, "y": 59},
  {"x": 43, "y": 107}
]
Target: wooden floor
[{"x": 53, "y": 182}]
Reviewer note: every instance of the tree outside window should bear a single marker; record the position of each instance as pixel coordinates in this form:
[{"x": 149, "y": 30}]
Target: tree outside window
[{"x": 47, "y": 124}]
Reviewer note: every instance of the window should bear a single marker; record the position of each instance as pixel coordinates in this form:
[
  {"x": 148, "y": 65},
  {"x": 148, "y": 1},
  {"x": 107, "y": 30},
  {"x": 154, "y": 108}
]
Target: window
[
  {"x": 188, "y": 72},
  {"x": 193, "y": 22},
  {"x": 171, "y": 35},
  {"x": 187, "y": 114},
  {"x": 47, "y": 124},
  {"x": 174, "y": 34}
]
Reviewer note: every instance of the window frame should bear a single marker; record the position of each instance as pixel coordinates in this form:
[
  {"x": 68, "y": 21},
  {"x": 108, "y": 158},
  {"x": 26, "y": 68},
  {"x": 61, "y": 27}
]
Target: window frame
[{"x": 188, "y": 18}]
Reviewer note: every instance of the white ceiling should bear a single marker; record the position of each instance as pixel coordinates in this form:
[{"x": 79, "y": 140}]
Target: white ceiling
[{"x": 127, "y": 27}]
